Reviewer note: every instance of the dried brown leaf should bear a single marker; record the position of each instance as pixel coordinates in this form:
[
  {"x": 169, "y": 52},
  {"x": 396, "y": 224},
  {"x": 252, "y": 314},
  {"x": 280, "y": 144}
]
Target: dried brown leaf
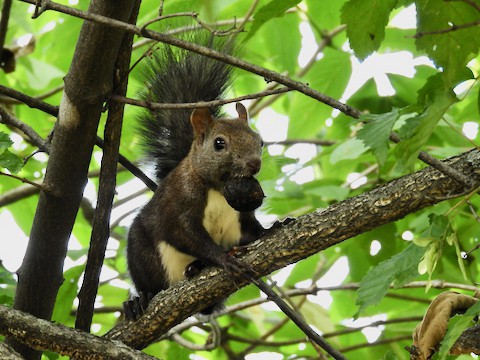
[{"x": 428, "y": 333}]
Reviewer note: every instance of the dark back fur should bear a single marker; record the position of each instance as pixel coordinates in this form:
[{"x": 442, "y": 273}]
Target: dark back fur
[{"x": 178, "y": 76}]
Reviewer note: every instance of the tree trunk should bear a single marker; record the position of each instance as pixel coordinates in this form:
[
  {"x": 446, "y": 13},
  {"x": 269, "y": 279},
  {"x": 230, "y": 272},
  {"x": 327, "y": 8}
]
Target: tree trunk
[{"x": 87, "y": 84}]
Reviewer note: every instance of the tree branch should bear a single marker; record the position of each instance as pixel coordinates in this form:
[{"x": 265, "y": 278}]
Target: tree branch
[
  {"x": 53, "y": 110},
  {"x": 299, "y": 239},
  {"x": 447, "y": 30},
  {"x": 161, "y": 106},
  {"x": 87, "y": 84},
  {"x": 11, "y": 101},
  {"x": 6, "y": 352},
  {"x": 269, "y": 75},
  {"x": 37, "y": 140},
  {"x": 44, "y": 335},
  {"x": 38, "y": 186},
  {"x": 106, "y": 191},
  {"x": 7, "y": 4}
]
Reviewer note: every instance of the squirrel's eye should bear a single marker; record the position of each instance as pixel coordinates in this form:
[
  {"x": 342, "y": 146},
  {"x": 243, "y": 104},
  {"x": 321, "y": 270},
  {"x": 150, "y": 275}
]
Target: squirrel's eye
[{"x": 219, "y": 143}]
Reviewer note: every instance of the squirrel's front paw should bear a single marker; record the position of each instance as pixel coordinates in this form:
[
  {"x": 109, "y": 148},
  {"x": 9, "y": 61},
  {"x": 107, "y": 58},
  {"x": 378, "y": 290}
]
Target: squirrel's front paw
[{"x": 194, "y": 268}]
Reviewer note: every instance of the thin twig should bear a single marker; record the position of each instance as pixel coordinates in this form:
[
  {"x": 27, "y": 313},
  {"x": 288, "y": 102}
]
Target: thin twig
[
  {"x": 39, "y": 186},
  {"x": 16, "y": 194},
  {"x": 36, "y": 139},
  {"x": 472, "y": 3},
  {"x": 185, "y": 29},
  {"x": 459, "y": 132},
  {"x": 261, "y": 103},
  {"x": 297, "y": 319},
  {"x": 445, "y": 31},
  {"x": 200, "y": 104},
  {"x": 10, "y": 101},
  {"x": 439, "y": 165},
  {"x": 53, "y": 110},
  {"x": 377, "y": 343},
  {"x": 289, "y": 142},
  {"x": 161, "y": 17},
  {"x": 29, "y": 101},
  {"x": 470, "y": 206},
  {"x": 129, "y": 197},
  {"x": 248, "y": 16},
  {"x": 269, "y": 75}
]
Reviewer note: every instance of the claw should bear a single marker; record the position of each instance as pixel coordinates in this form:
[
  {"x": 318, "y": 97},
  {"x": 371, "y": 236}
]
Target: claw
[{"x": 135, "y": 308}]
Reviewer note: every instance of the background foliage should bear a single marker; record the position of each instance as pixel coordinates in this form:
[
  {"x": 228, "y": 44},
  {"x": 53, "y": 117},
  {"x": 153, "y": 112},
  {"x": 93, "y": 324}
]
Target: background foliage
[{"x": 430, "y": 110}]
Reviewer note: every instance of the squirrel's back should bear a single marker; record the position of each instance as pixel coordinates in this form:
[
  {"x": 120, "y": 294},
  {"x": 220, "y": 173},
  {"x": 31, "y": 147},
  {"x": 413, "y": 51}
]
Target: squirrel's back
[{"x": 178, "y": 76}]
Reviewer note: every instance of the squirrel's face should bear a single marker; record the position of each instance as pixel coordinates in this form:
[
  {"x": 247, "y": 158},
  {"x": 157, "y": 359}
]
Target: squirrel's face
[{"x": 225, "y": 149}]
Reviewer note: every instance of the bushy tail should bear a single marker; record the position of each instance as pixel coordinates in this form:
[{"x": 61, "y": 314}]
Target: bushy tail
[{"x": 177, "y": 76}]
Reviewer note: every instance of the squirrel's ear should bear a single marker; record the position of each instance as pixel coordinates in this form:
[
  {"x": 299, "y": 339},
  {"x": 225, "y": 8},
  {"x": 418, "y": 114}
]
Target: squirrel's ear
[
  {"x": 201, "y": 121},
  {"x": 242, "y": 112}
]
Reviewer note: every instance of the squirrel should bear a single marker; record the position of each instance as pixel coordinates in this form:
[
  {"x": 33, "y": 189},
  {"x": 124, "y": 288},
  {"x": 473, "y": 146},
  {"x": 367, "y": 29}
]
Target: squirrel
[{"x": 205, "y": 166}]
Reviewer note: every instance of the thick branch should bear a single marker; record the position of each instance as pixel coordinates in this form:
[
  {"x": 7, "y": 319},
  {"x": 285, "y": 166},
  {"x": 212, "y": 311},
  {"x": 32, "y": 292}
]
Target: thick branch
[
  {"x": 6, "y": 352},
  {"x": 468, "y": 342},
  {"x": 106, "y": 192},
  {"x": 306, "y": 236},
  {"x": 44, "y": 335},
  {"x": 87, "y": 84}
]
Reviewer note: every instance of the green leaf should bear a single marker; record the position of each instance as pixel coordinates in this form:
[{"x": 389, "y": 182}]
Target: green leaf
[
  {"x": 366, "y": 21},
  {"x": 303, "y": 270},
  {"x": 417, "y": 130},
  {"x": 279, "y": 53},
  {"x": 375, "y": 133},
  {"x": 273, "y": 9},
  {"x": 8, "y": 160},
  {"x": 328, "y": 192},
  {"x": 456, "y": 326},
  {"x": 400, "y": 269},
  {"x": 450, "y": 50},
  {"x": 326, "y": 13},
  {"x": 390, "y": 355},
  {"x": 66, "y": 294},
  {"x": 350, "y": 149},
  {"x": 330, "y": 76},
  {"x": 5, "y": 142},
  {"x": 439, "y": 228},
  {"x": 11, "y": 162}
]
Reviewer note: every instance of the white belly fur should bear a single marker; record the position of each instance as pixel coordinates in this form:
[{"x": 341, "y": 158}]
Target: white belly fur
[{"x": 220, "y": 220}]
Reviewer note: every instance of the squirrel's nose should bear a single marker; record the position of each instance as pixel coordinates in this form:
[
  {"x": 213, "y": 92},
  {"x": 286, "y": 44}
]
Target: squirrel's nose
[{"x": 254, "y": 165}]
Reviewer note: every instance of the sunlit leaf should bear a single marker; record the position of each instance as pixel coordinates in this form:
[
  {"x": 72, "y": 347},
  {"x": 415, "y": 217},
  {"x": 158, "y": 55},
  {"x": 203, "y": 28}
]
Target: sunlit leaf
[
  {"x": 366, "y": 21},
  {"x": 376, "y": 132},
  {"x": 271, "y": 10},
  {"x": 401, "y": 268}
]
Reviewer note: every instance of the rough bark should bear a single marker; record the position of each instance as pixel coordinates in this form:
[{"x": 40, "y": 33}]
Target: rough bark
[
  {"x": 44, "y": 335},
  {"x": 468, "y": 343},
  {"x": 299, "y": 239},
  {"x": 87, "y": 84},
  {"x": 106, "y": 192}
]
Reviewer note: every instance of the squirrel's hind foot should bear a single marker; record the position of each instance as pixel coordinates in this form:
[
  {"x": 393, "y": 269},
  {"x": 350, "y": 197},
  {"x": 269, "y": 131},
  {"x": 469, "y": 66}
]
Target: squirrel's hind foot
[{"x": 133, "y": 309}]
